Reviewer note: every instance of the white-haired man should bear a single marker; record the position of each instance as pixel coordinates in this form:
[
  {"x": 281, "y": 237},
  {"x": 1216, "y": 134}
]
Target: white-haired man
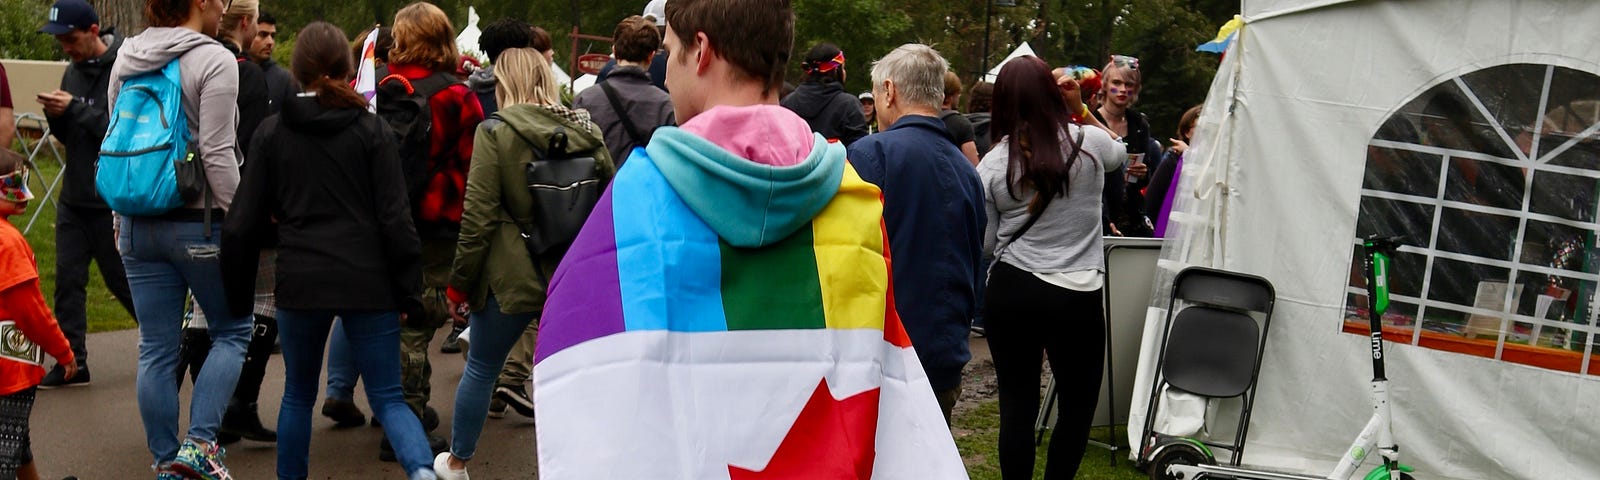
[{"x": 933, "y": 209}]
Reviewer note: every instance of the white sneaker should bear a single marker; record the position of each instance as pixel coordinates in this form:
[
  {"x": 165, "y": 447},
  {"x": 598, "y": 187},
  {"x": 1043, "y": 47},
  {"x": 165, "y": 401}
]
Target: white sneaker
[
  {"x": 465, "y": 340},
  {"x": 441, "y": 468}
]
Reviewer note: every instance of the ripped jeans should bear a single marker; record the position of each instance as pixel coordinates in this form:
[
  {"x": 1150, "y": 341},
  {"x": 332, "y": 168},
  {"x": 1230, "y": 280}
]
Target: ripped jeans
[{"x": 165, "y": 259}]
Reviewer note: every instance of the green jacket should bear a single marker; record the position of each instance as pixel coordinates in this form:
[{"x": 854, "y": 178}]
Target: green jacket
[{"x": 490, "y": 255}]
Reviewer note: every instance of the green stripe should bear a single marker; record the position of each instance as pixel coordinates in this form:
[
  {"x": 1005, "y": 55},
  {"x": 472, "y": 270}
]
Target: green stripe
[{"x": 773, "y": 287}]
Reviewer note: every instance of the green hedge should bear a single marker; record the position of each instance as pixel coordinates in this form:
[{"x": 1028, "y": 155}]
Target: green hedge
[{"x": 19, "y": 31}]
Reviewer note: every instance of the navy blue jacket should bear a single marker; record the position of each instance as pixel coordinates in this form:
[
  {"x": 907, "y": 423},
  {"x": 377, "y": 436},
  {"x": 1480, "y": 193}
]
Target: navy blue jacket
[{"x": 933, "y": 209}]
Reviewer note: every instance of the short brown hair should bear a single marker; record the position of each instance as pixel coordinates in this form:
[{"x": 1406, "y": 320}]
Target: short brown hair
[
  {"x": 952, "y": 84},
  {"x": 636, "y": 38},
  {"x": 166, "y": 13},
  {"x": 756, "y": 36},
  {"x": 540, "y": 40},
  {"x": 423, "y": 36}
]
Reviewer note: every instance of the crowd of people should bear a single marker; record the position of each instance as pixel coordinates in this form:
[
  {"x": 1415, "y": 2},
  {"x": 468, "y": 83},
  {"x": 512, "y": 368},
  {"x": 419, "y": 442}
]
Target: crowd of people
[{"x": 332, "y": 225}]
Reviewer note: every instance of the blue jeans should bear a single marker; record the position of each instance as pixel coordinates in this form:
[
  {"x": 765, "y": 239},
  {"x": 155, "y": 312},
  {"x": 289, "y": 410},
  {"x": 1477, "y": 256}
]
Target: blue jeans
[
  {"x": 165, "y": 260},
  {"x": 374, "y": 339},
  {"x": 342, "y": 374},
  {"x": 493, "y": 335}
]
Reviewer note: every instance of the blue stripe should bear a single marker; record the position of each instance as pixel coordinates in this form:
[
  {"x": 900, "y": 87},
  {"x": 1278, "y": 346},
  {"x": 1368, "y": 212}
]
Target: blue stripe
[{"x": 654, "y": 227}]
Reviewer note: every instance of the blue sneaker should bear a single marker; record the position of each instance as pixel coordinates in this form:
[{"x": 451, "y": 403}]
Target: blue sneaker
[{"x": 200, "y": 461}]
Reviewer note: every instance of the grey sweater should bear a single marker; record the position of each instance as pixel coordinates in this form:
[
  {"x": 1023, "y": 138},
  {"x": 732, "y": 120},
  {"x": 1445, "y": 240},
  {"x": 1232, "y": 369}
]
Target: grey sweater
[
  {"x": 1066, "y": 238},
  {"x": 210, "y": 77}
]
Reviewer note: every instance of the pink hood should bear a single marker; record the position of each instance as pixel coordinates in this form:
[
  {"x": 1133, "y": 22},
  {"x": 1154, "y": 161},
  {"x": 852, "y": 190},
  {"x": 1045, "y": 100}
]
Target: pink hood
[{"x": 765, "y": 134}]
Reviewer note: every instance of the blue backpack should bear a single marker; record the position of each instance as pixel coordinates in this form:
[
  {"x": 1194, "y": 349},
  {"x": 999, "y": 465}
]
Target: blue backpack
[{"x": 148, "y": 163}]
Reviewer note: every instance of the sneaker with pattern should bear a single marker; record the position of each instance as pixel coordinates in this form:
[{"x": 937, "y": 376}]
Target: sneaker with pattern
[{"x": 199, "y": 460}]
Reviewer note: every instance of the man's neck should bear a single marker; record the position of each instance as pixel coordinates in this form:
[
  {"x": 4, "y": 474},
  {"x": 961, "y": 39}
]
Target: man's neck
[
  {"x": 99, "y": 48},
  {"x": 741, "y": 94},
  {"x": 923, "y": 111},
  {"x": 625, "y": 63}
]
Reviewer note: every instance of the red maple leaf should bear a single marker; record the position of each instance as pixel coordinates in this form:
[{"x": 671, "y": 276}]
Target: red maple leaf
[{"x": 832, "y": 439}]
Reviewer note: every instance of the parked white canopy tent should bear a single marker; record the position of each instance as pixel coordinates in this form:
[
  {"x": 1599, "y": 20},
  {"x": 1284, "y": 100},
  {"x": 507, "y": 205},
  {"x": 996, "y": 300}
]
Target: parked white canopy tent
[
  {"x": 1487, "y": 160},
  {"x": 1022, "y": 50},
  {"x": 467, "y": 41}
]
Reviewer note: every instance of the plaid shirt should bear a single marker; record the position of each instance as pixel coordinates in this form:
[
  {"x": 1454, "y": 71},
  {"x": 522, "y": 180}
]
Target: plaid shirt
[{"x": 266, "y": 306}]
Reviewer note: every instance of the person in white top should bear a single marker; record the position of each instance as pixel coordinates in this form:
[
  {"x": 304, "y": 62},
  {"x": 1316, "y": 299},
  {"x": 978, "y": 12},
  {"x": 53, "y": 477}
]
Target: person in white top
[{"x": 1042, "y": 185}]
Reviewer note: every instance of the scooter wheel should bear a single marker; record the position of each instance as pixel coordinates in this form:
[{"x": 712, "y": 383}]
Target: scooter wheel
[{"x": 1180, "y": 453}]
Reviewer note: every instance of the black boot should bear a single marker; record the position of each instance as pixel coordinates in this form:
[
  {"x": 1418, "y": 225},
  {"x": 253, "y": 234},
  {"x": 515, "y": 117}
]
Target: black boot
[{"x": 241, "y": 420}]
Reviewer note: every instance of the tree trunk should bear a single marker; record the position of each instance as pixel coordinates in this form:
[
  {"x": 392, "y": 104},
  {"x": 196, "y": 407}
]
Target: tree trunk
[{"x": 126, "y": 15}]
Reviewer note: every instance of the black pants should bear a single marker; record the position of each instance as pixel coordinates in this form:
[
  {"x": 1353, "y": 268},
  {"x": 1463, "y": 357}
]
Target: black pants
[
  {"x": 1026, "y": 318},
  {"x": 197, "y": 345},
  {"x": 84, "y": 234}
]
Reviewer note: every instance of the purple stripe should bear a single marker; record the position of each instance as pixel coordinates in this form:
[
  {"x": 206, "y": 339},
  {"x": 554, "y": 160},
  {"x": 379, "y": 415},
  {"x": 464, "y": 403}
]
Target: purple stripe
[{"x": 585, "y": 300}]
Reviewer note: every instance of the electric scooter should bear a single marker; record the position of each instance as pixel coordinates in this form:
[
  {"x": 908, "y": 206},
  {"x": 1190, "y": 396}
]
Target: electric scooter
[{"x": 1189, "y": 459}]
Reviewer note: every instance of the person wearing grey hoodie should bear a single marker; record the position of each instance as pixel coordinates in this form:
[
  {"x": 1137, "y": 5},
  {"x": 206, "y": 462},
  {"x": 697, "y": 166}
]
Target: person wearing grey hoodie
[{"x": 170, "y": 254}]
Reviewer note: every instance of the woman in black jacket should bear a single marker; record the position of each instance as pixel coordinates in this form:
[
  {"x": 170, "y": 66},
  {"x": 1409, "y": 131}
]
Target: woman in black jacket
[
  {"x": 821, "y": 98},
  {"x": 324, "y": 180}
]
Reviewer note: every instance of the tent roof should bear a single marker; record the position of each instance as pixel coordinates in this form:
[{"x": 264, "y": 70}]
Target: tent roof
[{"x": 1022, "y": 50}]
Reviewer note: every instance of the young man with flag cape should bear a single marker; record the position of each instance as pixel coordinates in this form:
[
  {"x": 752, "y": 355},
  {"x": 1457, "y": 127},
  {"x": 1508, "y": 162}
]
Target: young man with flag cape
[{"x": 727, "y": 310}]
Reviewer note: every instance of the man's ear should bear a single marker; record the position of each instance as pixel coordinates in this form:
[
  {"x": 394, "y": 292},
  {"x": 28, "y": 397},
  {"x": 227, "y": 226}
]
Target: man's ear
[{"x": 704, "y": 53}]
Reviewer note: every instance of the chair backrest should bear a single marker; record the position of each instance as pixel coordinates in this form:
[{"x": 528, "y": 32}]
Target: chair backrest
[
  {"x": 1212, "y": 352},
  {"x": 1223, "y": 289}
]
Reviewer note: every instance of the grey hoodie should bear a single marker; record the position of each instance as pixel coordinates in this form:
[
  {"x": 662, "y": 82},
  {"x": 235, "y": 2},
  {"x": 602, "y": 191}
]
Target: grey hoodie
[{"x": 210, "y": 77}]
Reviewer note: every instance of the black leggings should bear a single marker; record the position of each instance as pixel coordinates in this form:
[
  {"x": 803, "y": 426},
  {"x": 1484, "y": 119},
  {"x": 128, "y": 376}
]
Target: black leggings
[
  {"x": 197, "y": 345},
  {"x": 1027, "y": 317}
]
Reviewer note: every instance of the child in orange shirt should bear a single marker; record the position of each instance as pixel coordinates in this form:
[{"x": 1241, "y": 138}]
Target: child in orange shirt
[{"x": 26, "y": 326}]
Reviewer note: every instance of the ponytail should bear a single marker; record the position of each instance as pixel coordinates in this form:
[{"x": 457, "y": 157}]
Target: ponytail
[{"x": 336, "y": 94}]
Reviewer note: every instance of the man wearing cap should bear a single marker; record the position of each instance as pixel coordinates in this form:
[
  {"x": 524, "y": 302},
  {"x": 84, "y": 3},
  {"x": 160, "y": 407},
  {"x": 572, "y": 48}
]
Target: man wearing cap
[
  {"x": 77, "y": 113},
  {"x": 655, "y": 11},
  {"x": 869, "y": 109}
]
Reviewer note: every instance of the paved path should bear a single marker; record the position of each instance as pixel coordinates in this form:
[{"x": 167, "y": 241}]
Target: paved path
[{"x": 95, "y": 433}]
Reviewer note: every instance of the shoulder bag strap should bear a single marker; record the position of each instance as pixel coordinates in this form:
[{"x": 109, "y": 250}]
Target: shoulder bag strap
[
  {"x": 639, "y": 139},
  {"x": 1077, "y": 147}
]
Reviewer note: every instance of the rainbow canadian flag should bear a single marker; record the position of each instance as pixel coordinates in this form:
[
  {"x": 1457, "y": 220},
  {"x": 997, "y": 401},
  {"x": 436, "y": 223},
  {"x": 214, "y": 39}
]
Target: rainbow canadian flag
[{"x": 665, "y": 353}]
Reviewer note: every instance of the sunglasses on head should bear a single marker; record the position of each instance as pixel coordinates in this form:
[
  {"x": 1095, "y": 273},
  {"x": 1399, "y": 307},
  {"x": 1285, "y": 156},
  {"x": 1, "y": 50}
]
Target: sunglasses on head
[
  {"x": 14, "y": 186},
  {"x": 1124, "y": 61}
]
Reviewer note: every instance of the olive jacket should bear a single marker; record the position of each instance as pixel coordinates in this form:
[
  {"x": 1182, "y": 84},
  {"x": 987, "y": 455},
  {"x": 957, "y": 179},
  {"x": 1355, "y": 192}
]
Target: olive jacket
[{"x": 490, "y": 254}]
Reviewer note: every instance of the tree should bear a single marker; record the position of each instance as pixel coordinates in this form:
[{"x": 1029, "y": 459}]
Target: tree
[
  {"x": 126, "y": 15},
  {"x": 19, "y": 31}
]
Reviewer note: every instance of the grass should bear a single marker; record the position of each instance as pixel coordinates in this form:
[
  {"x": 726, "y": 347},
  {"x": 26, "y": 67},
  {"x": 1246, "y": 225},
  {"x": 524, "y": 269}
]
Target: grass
[
  {"x": 978, "y": 435},
  {"x": 105, "y": 314}
]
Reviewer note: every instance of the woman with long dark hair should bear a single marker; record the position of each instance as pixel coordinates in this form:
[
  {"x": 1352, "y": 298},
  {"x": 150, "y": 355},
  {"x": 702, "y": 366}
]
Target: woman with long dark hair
[
  {"x": 325, "y": 180},
  {"x": 1042, "y": 184}
]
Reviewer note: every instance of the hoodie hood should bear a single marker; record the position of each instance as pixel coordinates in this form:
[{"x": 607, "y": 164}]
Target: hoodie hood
[
  {"x": 749, "y": 202},
  {"x": 151, "y": 50},
  {"x": 303, "y": 114},
  {"x": 483, "y": 80},
  {"x": 811, "y": 98}
]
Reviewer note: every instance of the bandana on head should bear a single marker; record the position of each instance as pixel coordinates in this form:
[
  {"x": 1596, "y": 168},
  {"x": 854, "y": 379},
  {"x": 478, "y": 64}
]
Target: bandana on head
[
  {"x": 14, "y": 186},
  {"x": 824, "y": 67}
]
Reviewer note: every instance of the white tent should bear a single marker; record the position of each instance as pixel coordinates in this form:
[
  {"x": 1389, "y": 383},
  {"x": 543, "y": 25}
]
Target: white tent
[
  {"x": 1487, "y": 158},
  {"x": 467, "y": 41},
  {"x": 1022, "y": 50}
]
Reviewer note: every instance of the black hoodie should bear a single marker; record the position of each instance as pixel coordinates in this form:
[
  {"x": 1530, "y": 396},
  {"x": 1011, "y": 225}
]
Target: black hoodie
[
  {"x": 829, "y": 110},
  {"x": 327, "y": 184},
  {"x": 83, "y": 126}
]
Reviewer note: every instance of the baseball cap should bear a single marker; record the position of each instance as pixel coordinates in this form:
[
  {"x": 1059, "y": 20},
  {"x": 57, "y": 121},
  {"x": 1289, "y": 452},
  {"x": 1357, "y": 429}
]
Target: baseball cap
[
  {"x": 865, "y": 97},
  {"x": 69, "y": 15},
  {"x": 656, "y": 10}
]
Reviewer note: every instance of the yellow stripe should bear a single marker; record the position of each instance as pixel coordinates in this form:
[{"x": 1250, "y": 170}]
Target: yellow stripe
[{"x": 849, "y": 248}]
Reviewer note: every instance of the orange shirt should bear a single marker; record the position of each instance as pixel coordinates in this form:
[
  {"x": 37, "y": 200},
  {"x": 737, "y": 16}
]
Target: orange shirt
[{"x": 28, "y": 330}]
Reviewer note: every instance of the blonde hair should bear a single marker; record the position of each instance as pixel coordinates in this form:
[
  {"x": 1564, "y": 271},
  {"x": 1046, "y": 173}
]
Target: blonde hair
[
  {"x": 239, "y": 10},
  {"x": 525, "y": 77},
  {"x": 423, "y": 36}
]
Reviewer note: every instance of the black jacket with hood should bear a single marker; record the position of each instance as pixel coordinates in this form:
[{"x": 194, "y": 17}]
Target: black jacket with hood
[
  {"x": 829, "y": 110},
  {"x": 253, "y": 98},
  {"x": 83, "y": 126},
  {"x": 327, "y": 184}
]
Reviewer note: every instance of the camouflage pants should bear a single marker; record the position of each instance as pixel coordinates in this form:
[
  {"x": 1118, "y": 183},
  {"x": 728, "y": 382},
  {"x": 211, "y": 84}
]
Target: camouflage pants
[
  {"x": 519, "y": 363},
  {"x": 416, "y": 333}
]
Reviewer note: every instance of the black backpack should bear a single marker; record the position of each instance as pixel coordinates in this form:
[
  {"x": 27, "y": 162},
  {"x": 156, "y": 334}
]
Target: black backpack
[
  {"x": 403, "y": 106},
  {"x": 565, "y": 188},
  {"x": 980, "y": 132}
]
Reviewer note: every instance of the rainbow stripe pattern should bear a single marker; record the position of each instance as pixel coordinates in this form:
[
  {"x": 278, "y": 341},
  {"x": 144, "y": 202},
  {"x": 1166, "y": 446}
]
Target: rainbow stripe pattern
[{"x": 645, "y": 261}]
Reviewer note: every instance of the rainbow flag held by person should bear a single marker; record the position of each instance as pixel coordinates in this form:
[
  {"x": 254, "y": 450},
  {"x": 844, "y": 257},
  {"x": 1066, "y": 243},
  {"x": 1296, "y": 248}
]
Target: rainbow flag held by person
[
  {"x": 665, "y": 352},
  {"x": 366, "y": 70}
]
